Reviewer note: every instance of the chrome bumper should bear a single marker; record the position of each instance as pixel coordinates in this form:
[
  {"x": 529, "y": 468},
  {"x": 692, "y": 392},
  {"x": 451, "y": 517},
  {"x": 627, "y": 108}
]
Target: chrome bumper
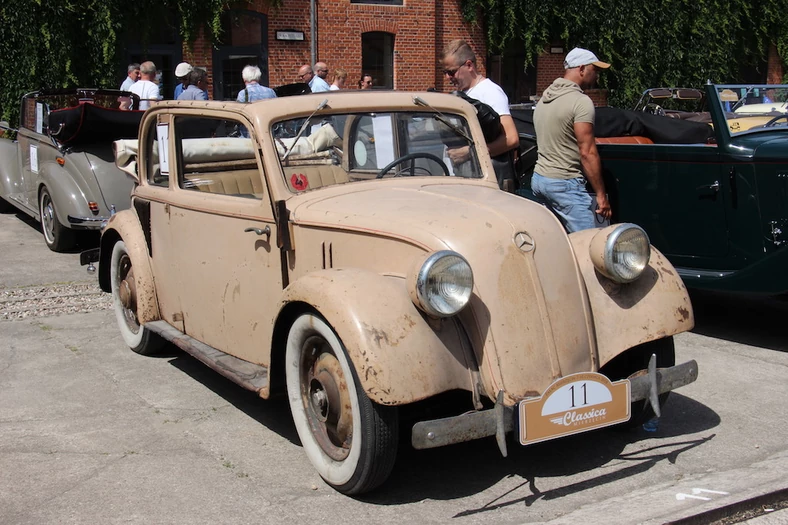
[
  {"x": 500, "y": 419},
  {"x": 88, "y": 222}
]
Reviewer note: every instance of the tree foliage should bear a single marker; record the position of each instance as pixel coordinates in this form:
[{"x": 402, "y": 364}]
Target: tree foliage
[
  {"x": 665, "y": 43},
  {"x": 78, "y": 43}
]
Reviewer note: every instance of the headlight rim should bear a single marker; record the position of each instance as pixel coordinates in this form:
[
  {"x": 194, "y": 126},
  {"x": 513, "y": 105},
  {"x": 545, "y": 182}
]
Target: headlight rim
[
  {"x": 420, "y": 278},
  {"x": 610, "y": 244}
]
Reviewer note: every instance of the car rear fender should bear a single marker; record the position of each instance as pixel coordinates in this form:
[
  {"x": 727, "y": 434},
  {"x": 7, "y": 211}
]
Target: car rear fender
[
  {"x": 654, "y": 306},
  {"x": 9, "y": 168},
  {"x": 66, "y": 192},
  {"x": 125, "y": 226},
  {"x": 400, "y": 355}
]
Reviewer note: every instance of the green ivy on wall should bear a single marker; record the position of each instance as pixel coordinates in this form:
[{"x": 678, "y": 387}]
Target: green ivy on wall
[{"x": 665, "y": 43}]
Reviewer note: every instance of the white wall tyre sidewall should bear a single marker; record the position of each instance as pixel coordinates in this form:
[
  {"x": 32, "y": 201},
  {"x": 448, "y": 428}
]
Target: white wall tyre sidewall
[
  {"x": 132, "y": 340},
  {"x": 334, "y": 472}
]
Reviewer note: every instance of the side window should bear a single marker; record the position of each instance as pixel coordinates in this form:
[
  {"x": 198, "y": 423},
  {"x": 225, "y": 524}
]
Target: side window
[
  {"x": 158, "y": 175},
  {"x": 215, "y": 157}
]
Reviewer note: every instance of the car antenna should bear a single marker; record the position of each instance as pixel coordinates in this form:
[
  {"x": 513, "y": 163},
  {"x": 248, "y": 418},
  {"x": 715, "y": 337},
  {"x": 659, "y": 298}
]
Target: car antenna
[
  {"x": 441, "y": 117},
  {"x": 303, "y": 127}
]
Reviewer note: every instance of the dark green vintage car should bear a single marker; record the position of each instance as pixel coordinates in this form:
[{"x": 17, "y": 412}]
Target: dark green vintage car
[{"x": 709, "y": 186}]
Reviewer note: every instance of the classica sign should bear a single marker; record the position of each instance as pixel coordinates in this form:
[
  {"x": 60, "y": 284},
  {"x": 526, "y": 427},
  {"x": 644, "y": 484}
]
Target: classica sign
[{"x": 573, "y": 404}]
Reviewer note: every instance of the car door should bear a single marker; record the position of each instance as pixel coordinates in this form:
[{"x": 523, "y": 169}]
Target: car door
[
  {"x": 675, "y": 192},
  {"x": 223, "y": 238}
]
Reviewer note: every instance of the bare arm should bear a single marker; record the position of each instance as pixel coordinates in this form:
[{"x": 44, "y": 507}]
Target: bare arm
[
  {"x": 592, "y": 166},
  {"x": 507, "y": 140}
]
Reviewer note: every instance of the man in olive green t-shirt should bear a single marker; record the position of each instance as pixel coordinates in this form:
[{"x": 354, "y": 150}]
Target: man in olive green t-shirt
[{"x": 564, "y": 125}]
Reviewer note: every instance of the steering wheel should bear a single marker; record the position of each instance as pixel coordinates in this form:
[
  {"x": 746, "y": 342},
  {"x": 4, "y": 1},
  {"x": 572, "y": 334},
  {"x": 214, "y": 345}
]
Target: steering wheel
[
  {"x": 413, "y": 156},
  {"x": 775, "y": 119},
  {"x": 654, "y": 109}
]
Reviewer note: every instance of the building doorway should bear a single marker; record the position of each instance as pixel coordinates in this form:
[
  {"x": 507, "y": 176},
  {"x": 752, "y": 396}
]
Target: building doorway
[{"x": 245, "y": 43}]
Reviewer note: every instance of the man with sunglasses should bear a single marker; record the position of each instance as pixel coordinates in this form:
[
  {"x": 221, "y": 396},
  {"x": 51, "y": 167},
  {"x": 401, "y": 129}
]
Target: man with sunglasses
[
  {"x": 312, "y": 76},
  {"x": 567, "y": 154},
  {"x": 459, "y": 62}
]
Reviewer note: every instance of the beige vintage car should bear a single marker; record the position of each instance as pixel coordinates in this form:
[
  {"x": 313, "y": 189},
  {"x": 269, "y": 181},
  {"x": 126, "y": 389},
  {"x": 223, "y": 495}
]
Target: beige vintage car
[{"x": 324, "y": 246}]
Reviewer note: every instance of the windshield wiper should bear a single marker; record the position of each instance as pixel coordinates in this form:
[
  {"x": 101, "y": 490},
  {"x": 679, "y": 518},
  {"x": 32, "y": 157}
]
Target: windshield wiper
[
  {"x": 442, "y": 118},
  {"x": 303, "y": 127}
]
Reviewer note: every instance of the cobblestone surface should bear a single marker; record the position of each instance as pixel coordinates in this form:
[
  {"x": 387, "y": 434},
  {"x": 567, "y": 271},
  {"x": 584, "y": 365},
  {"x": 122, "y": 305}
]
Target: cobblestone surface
[{"x": 49, "y": 300}]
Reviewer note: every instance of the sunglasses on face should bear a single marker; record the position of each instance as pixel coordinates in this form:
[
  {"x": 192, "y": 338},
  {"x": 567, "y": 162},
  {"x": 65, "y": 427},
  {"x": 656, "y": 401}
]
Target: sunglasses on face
[{"x": 451, "y": 72}]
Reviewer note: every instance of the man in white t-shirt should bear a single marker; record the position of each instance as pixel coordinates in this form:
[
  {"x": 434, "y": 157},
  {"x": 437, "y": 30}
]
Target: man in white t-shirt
[
  {"x": 459, "y": 62},
  {"x": 145, "y": 88}
]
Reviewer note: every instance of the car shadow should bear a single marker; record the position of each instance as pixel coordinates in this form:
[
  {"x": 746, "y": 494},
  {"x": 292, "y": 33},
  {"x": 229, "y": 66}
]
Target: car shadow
[
  {"x": 745, "y": 319},
  {"x": 465, "y": 469},
  {"x": 273, "y": 413},
  {"x": 84, "y": 240}
]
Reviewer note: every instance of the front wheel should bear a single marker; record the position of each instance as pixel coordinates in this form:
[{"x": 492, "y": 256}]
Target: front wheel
[
  {"x": 58, "y": 237},
  {"x": 634, "y": 360},
  {"x": 351, "y": 441},
  {"x": 124, "y": 301}
]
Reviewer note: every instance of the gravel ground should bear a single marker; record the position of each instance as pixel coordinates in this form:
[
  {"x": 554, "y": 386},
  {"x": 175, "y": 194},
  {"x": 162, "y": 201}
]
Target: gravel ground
[{"x": 49, "y": 300}]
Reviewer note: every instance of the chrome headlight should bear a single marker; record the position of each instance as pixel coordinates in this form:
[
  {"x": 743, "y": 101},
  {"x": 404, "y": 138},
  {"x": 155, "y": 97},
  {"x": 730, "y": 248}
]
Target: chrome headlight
[
  {"x": 621, "y": 252},
  {"x": 441, "y": 284}
]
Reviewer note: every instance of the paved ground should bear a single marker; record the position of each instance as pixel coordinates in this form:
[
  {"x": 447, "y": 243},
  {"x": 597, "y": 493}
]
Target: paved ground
[{"x": 93, "y": 433}]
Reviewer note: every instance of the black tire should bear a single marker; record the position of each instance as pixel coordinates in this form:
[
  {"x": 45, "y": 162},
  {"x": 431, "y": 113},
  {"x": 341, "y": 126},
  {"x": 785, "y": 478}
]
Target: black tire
[
  {"x": 57, "y": 237},
  {"x": 124, "y": 302},
  {"x": 351, "y": 441},
  {"x": 635, "y": 359}
]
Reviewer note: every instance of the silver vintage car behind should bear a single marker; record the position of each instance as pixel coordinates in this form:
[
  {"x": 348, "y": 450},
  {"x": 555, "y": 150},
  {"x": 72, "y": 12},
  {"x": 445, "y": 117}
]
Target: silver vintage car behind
[{"x": 60, "y": 169}]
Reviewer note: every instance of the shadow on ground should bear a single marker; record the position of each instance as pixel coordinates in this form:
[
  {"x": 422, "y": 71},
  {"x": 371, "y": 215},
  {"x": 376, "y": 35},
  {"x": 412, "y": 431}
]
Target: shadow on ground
[
  {"x": 465, "y": 469},
  {"x": 749, "y": 320}
]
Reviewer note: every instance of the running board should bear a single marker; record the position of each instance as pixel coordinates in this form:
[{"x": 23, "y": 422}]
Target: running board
[{"x": 248, "y": 375}]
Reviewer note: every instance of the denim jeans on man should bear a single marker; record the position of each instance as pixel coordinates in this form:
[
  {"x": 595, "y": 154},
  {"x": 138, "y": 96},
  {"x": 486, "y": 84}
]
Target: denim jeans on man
[{"x": 568, "y": 199}]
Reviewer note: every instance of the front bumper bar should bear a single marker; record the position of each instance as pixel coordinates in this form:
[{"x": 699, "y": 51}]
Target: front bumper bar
[{"x": 500, "y": 419}]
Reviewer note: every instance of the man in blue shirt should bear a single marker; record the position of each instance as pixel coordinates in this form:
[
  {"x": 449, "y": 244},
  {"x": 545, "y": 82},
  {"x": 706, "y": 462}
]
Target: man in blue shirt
[
  {"x": 182, "y": 74},
  {"x": 198, "y": 82},
  {"x": 316, "y": 84}
]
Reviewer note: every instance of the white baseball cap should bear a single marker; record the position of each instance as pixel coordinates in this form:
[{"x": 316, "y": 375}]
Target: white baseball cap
[
  {"x": 183, "y": 69},
  {"x": 582, "y": 57}
]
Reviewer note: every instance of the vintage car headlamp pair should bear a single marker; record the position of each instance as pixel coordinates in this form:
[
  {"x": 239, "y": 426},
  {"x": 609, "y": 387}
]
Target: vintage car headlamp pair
[
  {"x": 621, "y": 252},
  {"x": 441, "y": 283}
]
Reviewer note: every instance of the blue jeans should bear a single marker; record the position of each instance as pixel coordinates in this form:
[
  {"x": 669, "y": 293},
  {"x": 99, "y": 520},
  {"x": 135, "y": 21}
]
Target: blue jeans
[{"x": 567, "y": 199}]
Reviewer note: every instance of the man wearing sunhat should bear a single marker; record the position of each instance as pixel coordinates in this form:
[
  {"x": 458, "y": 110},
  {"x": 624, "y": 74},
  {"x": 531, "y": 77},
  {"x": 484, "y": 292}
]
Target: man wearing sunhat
[
  {"x": 567, "y": 154},
  {"x": 182, "y": 71}
]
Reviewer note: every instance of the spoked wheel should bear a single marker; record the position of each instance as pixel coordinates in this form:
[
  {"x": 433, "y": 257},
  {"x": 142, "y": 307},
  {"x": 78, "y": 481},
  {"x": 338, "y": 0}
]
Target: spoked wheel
[
  {"x": 634, "y": 360},
  {"x": 58, "y": 237},
  {"x": 351, "y": 441},
  {"x": 124, "y": 301}
]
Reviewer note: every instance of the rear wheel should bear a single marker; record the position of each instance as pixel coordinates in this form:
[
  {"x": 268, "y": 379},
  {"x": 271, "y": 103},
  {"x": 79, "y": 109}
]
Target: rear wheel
[
  {"x": 58, "y": 237},
  {"x": 634, "y": 360},
  {"x": 124, "y": 302},
  {"x": 351, "y": 441}
]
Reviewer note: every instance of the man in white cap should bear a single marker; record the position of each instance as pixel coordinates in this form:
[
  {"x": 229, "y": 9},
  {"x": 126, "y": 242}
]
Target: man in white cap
[
  {"x": 182, "y": 71},
  {"x": 564, "y": 125}
]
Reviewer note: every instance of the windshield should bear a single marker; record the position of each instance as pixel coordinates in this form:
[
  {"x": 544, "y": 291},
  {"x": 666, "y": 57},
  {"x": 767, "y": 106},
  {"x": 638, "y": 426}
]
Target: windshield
[
  {"x": 754, "y": 108},
  {"x": 342, "y": 148}
]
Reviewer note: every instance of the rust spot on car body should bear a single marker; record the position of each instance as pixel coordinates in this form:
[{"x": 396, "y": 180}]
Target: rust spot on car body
[{"x": 684, "y": 313}]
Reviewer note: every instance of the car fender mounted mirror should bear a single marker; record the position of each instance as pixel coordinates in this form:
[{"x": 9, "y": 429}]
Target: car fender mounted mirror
[{"x": 126, "y": 157}]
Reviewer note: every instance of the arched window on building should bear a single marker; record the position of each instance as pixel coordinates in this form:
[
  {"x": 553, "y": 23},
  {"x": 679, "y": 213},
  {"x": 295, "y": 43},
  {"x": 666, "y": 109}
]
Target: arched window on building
[{"x": 377, "y": 57}]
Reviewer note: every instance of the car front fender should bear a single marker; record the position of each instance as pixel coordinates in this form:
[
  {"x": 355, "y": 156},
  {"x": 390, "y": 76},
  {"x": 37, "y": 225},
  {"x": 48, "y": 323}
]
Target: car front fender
[
  {"x": 125, "y": 226},
  {"x": 400, "y": 355},
  {"x": 654, "y": 306}
]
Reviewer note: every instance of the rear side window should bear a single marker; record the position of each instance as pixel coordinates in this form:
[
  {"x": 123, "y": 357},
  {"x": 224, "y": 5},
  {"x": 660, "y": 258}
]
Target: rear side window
[{"x": 216, "y": 156}]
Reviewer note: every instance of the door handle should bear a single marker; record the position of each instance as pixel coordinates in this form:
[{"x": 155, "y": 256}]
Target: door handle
[
  {"x": 265, "y": 231},
  {"x": 715, "y": 187}
]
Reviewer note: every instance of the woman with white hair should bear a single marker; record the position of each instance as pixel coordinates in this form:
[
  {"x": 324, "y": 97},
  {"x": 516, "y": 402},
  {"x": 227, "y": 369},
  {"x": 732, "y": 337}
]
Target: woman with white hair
[{"x": 253, "y": 90}]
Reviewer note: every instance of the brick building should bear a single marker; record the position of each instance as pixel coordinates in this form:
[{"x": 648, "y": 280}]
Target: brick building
[{"x": 399, "y": 43}]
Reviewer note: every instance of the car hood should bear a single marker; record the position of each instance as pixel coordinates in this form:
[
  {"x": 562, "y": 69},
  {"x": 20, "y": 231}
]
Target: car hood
[
  {"x": 434, "y": 216},
  {"x": 773, "y": 148},
  {"x": 526, "y": 277}
]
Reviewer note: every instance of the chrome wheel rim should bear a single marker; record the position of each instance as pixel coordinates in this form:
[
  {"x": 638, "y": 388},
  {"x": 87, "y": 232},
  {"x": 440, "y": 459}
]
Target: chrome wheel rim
[{"x": 48, "y": 217}]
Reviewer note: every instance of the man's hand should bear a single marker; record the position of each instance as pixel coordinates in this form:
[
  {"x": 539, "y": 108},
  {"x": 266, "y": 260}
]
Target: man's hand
[
  {"x": 459, "y": 155},
  {"x": 603, "y": 206}
]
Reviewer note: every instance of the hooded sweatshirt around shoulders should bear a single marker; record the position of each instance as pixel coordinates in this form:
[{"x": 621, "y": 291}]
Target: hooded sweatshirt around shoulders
[{"x": 562, "y": 104}]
